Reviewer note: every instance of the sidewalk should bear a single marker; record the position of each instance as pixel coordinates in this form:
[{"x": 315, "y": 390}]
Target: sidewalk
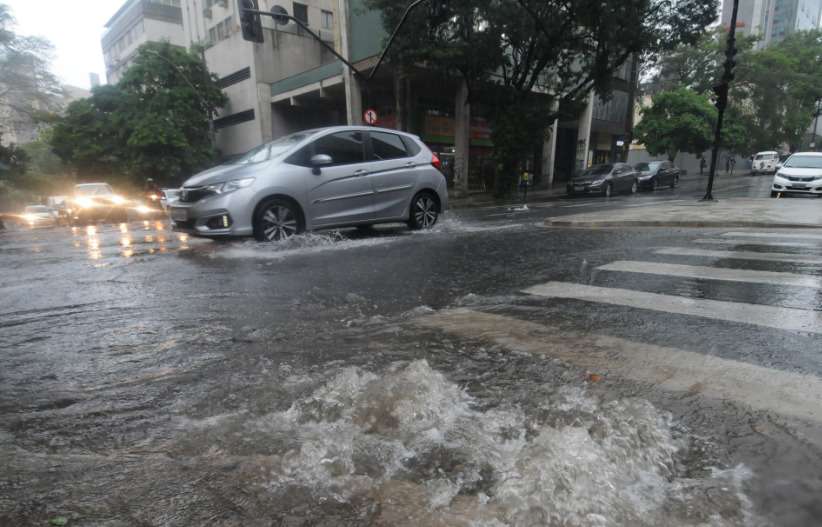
[{"x": 743, "y": 212}]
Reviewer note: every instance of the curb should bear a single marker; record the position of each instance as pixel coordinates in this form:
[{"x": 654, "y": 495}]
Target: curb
[{"x": 686, "y": 224}]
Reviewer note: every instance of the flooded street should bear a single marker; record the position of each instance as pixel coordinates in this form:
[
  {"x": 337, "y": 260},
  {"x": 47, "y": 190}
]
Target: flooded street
[{"x": 490, "y": 372}]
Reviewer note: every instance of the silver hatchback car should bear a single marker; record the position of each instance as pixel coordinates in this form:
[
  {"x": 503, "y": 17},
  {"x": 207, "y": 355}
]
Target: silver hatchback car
[{"x": 316, "y": 179}]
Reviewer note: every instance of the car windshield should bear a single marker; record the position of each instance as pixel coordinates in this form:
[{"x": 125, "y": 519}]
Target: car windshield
[
  {"x": 93, "y": 189},
  {"x": 804, "y": 162},
  {"x": 36, "y": 208},
  {"x": 271, "y": 150},
  {"x": 597, "y": 170},
  {"x": 765, "y": 156}
]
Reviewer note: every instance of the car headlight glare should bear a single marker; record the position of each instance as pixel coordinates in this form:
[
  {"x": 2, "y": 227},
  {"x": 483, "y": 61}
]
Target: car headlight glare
[{"x": 230, "y": 186}]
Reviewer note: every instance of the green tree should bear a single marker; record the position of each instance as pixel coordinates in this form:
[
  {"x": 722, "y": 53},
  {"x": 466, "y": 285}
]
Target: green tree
[
  {"x": 526, "y": 60},
  {"x": 679, "y": 120},
  {"x": 169, "y": 96},
  {"x": 776, "y": 90},
  {"x": 13, "y": 163},
  {"x": 153, "y": 123}
]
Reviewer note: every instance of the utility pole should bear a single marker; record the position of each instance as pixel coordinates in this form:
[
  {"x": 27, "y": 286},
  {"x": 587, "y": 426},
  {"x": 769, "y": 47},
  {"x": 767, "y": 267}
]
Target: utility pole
[{"x": 721, "y": 92}]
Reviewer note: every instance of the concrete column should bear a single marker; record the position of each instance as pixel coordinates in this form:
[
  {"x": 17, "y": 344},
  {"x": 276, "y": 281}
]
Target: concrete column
[
  {"x": 549, "y": 152},
  {"x": 353, "y": 92},
  {"x": 264, "y": 98},
  {"x": 584, "y": 134},
  {"x": 462, "y": 137}
]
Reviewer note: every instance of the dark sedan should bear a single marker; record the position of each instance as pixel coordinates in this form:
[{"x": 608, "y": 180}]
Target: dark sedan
[
  {"x": 605, "y": 180},
  {"x": 655, "y": 174}
]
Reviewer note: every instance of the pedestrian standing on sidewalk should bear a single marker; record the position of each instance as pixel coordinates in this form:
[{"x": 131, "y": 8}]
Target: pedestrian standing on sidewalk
[
  {"x": 524, "y": 181},
  {"x": 732, "y": 164},
  {"x": 702, "y": 164}
]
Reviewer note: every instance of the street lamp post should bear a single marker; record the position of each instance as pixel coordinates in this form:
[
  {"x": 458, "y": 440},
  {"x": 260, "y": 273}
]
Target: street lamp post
[{"x": 721, "y": 91}]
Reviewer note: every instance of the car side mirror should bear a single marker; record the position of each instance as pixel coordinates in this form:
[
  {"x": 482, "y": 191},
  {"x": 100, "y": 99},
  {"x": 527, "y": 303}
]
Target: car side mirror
[{"x": 320, "y": 160}]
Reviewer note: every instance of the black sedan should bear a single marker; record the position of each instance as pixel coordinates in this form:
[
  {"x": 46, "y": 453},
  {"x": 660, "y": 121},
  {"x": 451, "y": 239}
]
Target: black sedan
[
  {"x": 605, "y": 180},
  {"x": 655, "y": 174}
]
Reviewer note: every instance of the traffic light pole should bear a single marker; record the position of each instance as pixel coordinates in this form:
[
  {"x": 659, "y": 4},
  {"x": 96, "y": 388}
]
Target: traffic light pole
[{"x": 722, "y": 100}]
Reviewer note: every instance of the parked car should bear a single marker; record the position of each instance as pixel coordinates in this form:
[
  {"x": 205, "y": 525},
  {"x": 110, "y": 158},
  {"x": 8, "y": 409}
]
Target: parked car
[
  {"x": 765, "y": 163},
  {"x": 39, "y": 216},
  {"x": 655, "y": 174},
  {"x": 94, "y": 202},
  {"x": 800, "y": 174},
  {"x": 605, "y": 180},
  {"x": 316, "y": 179}
]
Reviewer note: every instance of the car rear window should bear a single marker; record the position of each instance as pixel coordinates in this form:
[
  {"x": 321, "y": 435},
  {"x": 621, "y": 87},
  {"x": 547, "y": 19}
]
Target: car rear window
[{"x": 387, "y": 146}]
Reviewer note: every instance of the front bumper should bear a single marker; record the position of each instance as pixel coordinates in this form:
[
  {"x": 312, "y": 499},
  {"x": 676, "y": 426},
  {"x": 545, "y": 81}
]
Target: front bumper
[
  {"x": 786, "y": 186},
  {"x": 217, "y": 216},
  {"x": 584, "y": 188}
]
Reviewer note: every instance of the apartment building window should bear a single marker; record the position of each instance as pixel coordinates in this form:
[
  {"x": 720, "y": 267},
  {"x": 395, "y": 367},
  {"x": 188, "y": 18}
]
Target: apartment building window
[
  {"x": 301, "y": 13},
  {"x": 327, "y": 19},
  {"x": 220, "y": 32}
]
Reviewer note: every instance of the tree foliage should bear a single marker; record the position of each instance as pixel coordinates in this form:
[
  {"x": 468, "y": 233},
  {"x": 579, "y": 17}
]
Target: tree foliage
[
  {"x": 680, "y": 120},
  {"x": 528, "y": 59},
  {"x": 153, "y": 123},
  {"x": 773, "y": 95},
  {"x": 13, "y": 163},
  {"x": 27, "y": 86}
]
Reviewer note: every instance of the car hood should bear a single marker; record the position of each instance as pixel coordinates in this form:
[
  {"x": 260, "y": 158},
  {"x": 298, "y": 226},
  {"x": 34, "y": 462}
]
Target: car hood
[
  {"x": 800, "y": 172},
  {"x": 218, "y": 174}
]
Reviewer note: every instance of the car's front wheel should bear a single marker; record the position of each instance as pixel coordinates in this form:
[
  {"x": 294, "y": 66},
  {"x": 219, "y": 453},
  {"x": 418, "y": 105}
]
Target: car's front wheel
[
  {"x": 425, "y": 211},
  {"x": 277, "y": 219},
  {"x": 635, "y": 187}
]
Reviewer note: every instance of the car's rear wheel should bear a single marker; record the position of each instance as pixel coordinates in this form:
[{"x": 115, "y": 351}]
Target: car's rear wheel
[
  {"x": 277, "y": 219},
  {"x": 425, "y": 211},
  {"x": 655, "y": 184}
]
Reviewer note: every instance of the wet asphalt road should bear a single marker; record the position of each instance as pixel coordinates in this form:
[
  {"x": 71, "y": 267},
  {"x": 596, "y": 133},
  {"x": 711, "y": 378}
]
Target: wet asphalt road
[{"x": 397, "y": 378}]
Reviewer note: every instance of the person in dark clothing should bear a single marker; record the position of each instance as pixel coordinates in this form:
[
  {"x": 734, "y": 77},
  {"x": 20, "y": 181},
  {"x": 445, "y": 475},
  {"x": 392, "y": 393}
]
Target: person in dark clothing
[{"x": 702, "y": 164}]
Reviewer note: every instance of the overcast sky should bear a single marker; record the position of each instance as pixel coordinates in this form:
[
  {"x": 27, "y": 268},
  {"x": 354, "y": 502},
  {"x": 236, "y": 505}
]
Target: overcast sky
[{"x": 74, "y": 27}]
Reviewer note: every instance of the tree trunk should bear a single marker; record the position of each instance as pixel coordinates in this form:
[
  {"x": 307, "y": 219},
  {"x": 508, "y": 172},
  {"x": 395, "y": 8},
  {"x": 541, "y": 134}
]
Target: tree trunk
[{"x": 462, "y": 138}]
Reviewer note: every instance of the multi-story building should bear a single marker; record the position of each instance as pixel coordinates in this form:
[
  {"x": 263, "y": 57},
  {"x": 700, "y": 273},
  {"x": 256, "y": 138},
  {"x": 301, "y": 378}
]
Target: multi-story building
[
  {"x": 247, "y": 70},
  {"x": 772, "y": 20},
  {"x": 137, "y": 22}
]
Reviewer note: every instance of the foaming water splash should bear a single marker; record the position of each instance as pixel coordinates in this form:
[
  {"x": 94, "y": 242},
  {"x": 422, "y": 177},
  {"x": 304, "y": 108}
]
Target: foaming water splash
[
  {"x": 412, "y": 448},
  {"x": 304, "y": 244}
]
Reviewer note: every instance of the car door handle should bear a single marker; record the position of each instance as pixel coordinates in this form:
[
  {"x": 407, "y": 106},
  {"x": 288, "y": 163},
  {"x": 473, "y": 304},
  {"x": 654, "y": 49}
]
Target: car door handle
[{"x": 360, "y": 172}]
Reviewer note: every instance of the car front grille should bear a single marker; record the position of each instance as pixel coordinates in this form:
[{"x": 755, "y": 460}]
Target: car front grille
[
  {"x": 186, "y": 225},
  {"x": 793, "y": 178},
  {"x": 194, "y": 194}
]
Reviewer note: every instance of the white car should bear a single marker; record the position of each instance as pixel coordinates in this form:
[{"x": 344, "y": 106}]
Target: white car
[
  {"x": 799, "y": 174},
  {"x": 765, "y": 163}
]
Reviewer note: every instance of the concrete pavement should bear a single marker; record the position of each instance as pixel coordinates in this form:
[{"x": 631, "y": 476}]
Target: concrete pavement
[{"x": 726, "y": 213}]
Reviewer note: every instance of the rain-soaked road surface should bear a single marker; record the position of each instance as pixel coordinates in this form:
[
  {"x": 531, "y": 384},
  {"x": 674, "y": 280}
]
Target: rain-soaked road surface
[{"x": 491, "y": 372}]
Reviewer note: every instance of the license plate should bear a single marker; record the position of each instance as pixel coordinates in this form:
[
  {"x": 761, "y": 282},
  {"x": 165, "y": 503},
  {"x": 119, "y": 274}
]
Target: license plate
[
  {"x": 179, "y": 214},
  {"x": 799, "y": 185}
]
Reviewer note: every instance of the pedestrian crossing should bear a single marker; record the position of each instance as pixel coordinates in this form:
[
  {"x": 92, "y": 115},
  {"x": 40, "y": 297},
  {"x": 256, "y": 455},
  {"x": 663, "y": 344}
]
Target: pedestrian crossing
[{"x": 697, "y": 367}]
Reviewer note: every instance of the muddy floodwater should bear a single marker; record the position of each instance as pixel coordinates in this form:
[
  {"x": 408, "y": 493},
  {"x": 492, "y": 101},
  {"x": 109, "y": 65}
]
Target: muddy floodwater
[{"x": 151, "y": 379}]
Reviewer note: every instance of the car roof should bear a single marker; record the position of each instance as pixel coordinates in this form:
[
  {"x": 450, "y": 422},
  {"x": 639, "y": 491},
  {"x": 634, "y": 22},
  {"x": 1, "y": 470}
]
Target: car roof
[
  {"x": 812, "y": 154},
  {"x": 767, "y": 152},
  {"x": 362, "y": 128}
]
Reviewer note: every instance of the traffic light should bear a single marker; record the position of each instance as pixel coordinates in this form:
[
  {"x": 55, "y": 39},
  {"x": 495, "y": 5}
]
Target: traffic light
[
  {"x": 721, "y": 95},
  {"x": 250, "y": 23}
]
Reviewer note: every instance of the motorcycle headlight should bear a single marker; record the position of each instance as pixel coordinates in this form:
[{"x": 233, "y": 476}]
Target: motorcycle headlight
[{"x": 230, "y": 186}]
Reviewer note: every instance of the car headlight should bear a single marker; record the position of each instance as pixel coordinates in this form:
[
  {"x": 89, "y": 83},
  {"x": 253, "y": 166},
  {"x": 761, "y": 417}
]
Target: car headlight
[
  {"x": 230, "y": 186},
  {"x": 84, "y": 202},
  {"x": 779, "y": 174},
  {"x": 597, "y": 182}
]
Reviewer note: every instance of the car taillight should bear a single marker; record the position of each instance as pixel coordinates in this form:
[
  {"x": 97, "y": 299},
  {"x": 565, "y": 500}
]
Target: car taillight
[{"x": 435, "y": 161}]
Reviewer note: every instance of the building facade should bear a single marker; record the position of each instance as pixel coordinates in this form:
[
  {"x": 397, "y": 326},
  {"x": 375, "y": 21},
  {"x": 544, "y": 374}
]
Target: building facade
[
  {"x": 773, "y": 20},
  {"x": 135, "y": 23}
]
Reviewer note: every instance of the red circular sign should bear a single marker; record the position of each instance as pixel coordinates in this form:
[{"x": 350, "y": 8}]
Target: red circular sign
[{"x": 370, "y": 116}]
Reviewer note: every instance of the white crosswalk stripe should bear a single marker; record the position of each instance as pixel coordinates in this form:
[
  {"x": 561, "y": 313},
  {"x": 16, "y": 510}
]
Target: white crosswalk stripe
[
  {"x": 780, "y": 235},
  {"x": 673, "y": 369},
  {"x": 760, "y": 315},
  {"x": 714, "y": 273},
  {"x": 742, "y": 255},
  {"x": 757, "y": 242}
]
